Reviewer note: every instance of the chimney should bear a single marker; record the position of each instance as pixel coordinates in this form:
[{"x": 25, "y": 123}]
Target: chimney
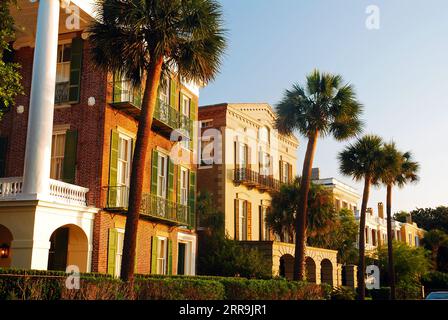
[
  {"x": 381, "y": 210},
  {"x": 409, "y": 219},
  {"x": 315, "y": 174}
]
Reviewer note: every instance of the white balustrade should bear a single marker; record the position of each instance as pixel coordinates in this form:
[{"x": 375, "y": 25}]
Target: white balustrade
[
  {"x": 68, "y": 193},
  {"x": 10, "y": 187},
  {"x": 59, "y": 191}
]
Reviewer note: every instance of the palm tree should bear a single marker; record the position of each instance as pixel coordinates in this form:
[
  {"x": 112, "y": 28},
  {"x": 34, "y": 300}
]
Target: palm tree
[
  {"x": 325, "y": 106},
  {"x": 433, "y": 240},
  {"x": 321, "y": 214},
  {"x": 363, "y": 160},
  {"x": 398, "y": 169},
  {"x": 141, "y": 40}
]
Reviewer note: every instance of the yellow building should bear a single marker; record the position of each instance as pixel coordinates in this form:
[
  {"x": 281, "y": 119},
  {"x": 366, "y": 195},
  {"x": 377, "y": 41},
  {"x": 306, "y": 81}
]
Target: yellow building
[
  {"x": 344, "y": 195},
  {"x": 242, "y": 160}
]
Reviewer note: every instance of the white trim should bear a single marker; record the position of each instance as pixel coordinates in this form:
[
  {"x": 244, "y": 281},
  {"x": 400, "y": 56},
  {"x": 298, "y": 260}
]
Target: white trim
[
  {"x": 126, "y": 132},
  {"x": 191, "y": 239}
]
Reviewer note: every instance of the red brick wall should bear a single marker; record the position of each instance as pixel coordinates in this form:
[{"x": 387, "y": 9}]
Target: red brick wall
[{"x": 94, "y": 125}]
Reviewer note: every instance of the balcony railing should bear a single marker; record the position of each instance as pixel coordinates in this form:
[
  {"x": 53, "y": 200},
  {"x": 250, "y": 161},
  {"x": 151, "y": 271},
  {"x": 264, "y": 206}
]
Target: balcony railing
[
  {"x": 117, "y": 199},
  {"x": 59, "y": 191},
  {"x": 62, "y": 92},
  {"x": 128, "y": 99},
  {"x": 253, "y": 179}
]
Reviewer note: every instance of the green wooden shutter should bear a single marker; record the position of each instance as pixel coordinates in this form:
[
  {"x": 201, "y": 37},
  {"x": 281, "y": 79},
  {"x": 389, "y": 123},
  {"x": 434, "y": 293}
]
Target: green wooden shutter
[
  {"x": 192, "y": 198},
  {"x": 173, "y": 94},
  {"x": 171, "y": 168},
  {"x": 193, "y": 118},
  {"x": 112, "y": 251},
  {"x": 153, "y": 255},
  {"x": 155, "y": 157},
  {"x": 113, "y": 169},
  {"x": 179, "y": 172},
  {"x": 3, "y": 147},
  {"x": 69, "y": 164},
  {"x": 75, "y": 70},
  {"x": 170, "y": 257}
]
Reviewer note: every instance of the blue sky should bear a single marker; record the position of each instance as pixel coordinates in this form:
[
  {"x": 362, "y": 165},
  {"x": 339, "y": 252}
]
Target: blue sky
[{"x": 400, "y": 73}]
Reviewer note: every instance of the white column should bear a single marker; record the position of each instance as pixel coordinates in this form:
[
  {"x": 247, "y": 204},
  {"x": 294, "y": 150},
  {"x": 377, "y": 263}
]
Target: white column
[{"x": 40, "y": 120}]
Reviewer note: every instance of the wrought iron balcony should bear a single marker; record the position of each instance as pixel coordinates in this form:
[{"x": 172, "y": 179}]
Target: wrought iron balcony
[
  {"x": 62, "y": 92},
  {"x": 153, "y": 206},
  {"x": 127, "y": 98},
  {"x": 253, "y": 179}
]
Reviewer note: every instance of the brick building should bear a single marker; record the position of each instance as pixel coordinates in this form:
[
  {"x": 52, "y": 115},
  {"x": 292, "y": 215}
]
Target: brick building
[{"x": 66, "y": 155}]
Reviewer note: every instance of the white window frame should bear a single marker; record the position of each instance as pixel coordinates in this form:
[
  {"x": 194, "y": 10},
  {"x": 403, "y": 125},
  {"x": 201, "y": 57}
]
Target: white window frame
[
  {"x": 186, "y": 105},
  {"x": 162, "y": 175},
  {"x": 162, "y": 260},
  {"x": 57, "y": 160},
  {"x": 184, "y": 181},
  {"x": 242, "y": 216},
  {"x": 190, "y": 252},
  {"x": 119, "y": 253},
  {"x": 122, "y": 186},
  {"x": 164, "y": 94},
  {"x": 206, "y": 123}
]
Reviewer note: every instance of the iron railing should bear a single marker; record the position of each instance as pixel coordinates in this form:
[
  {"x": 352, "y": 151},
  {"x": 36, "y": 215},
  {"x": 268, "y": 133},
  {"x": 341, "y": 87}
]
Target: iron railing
[
  {"x": 62, "y": 92},
  {"x": 124, "y": 93},
  {"x": 254, "y": 179},
  {"x": 117, "y": 198}
]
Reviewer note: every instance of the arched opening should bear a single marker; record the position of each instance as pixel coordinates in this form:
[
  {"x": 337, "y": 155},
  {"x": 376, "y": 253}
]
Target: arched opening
[
  {"x": 310, "y": 269},
  {"x": 69, "y": 246},
  {"x": 287, "y": 266},
  {"x": 5, "y": 247},
  {"x": 326, "y": 272}
]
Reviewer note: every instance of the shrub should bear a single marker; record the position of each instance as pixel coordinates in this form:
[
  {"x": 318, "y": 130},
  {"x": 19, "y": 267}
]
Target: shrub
[
  {"x": 51, "y": 286},
  {"x": 379, "y": 294},
  {"x": 178, "y": 289},
  {"x": 343, "y": 293},
  {"x": 244, "y": 289}
]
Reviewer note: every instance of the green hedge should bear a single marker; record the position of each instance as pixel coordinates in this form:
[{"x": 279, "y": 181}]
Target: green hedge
[{"x": 42, "y": 285}]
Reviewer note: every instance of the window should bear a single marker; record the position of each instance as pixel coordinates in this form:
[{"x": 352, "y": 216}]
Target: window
[
  {"x": 162, "y": 249},
  {"x": 242, "y": 220},
  {"x": 265, "y": 164},
  {"x": 63, "y": 73},
  {"x": 242, "y": 155},
  {"x": 264, "y": 228},
  {"x": 123, "y": 169},
  {"x": 186, "y": 105},
  {"x": 207, "y": 152},
  {"x": 162, "y": 175},
  {"x": 164, "y": 94},
  {"x": 57, "y": 155},
  {"x": 417, "y": 241},
  {"x": 119, "y": 255},
  {"x": 410, "y": 238},
  {"x": 285, "y": 172},
  {"x": 263, "y": 135},
  {"x": 206, "y": 123},
  {"x": 184, "y": 186}
]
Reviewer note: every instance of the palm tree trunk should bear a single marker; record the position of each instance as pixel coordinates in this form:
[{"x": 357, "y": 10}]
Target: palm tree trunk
[
  {"x": 299, "y": 252},
  {"x": 138, "y": 168},
  {"x": 362, "y": 241},
  {"x": 389, "y": 243}
]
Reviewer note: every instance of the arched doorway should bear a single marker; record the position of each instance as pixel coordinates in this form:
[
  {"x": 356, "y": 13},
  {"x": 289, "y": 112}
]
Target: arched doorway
[
  {"x": 287, "y": 266},
  {"x": 69, "y": 246},
  {"x": 5, "y": 247},
  {"x": 326, "y": 272},
  {"x": 310, "y": 269}
]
